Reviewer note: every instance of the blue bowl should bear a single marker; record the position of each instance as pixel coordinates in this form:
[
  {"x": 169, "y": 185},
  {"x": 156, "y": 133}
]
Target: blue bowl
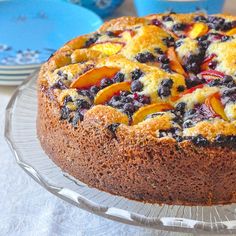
[
  {"x": 103, "y": 8},
  {"x": 30, "y": 30},
  {"x": 146, "y": 7}
]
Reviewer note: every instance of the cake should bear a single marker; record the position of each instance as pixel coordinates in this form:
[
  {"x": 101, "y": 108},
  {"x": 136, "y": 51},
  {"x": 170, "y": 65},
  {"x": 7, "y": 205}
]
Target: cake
[{"x": 145, "y": 108}]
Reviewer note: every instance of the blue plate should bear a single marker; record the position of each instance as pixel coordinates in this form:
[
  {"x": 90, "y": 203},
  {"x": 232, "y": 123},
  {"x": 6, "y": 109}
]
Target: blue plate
[{"x": 31, "y": 30}]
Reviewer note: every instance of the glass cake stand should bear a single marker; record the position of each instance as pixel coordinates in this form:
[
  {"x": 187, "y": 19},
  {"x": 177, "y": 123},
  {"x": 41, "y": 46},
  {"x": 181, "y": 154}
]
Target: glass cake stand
[{"x": 20, "y": 132}]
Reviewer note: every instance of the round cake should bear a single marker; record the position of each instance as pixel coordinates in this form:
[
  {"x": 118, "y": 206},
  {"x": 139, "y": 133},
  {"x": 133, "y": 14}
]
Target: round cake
[{"x": 145, "y": 108}]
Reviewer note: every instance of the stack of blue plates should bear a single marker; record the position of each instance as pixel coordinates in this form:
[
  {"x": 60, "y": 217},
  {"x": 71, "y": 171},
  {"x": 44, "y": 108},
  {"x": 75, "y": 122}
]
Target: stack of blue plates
[{"x": 32, "y": 30}]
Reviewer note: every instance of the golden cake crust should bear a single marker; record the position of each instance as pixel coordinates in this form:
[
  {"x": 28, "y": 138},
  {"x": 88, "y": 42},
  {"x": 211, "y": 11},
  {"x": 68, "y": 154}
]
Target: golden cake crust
[{"x": 134, "y": 160}]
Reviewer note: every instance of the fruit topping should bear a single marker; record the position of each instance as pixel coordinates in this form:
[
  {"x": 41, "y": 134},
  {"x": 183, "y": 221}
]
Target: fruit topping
[
  {"x": 199, "y": 140},
  {"x": 193, "y": 63},
  {"x": 119, "y": 77},
  {"x": 107, "y": 93},
  {"x": 92, "y": 40},
  {"x": 143, "y": 112},
  {"x": 206, "y": 62},
  {"x": 208, "y": 74},
  {"x": 164, "y": 89},
  {"x": 214, "y": 103},
  {"x": 136, "y": 86},
  {"x": 108, "y": 48},
  {"x": 231, "y": 32},
  {"x": 94, "y": 77},
  {"x": 136, "y": 74},
  {"x": 145, "y": 57},
  {"x": 188, "y": 91},
  {"x": 174, "y": 61},
  {"x": 179, "y": 27},
  {"x": 169, "y": 41},
  {"x": 198, "y": 29}
]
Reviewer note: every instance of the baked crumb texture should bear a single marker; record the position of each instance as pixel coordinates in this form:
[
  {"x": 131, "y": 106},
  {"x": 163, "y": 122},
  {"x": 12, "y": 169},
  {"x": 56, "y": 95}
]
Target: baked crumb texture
[{"x": 146, "y": 108}]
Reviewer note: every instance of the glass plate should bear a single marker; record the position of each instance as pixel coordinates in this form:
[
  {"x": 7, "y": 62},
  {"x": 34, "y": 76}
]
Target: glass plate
[{"x": 20, "y": 132}]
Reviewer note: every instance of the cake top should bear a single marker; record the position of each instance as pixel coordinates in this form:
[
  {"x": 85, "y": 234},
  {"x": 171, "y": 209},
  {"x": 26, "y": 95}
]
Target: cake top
[{"x": 167, "y": 75}]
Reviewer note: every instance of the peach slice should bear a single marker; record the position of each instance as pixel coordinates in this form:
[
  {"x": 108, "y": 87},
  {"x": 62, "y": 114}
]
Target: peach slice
[
  {"x": 174, "y": 62},
  {"x": 143, "y": 112},
  {"x": 107, "y": 93},
  {"x": 231, "y": 32},
  {"x": 206, "y": 62},
  {"x": 93, "y": 77},
  {"x": 214, "y": 103},
  {"x": 188, "y": 91},
  {"x": 108, "y": 48},
  {"x": 198, "y": 29}
]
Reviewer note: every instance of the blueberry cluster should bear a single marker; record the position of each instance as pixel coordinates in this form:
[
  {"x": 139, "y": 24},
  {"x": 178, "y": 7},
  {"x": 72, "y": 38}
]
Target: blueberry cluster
[
  {"x": 74, "y": 116},
  {"x": 129, "y": 102},
  {"x": 229, "y": 95},
  {"x": 227, "y": 81},
  {"x": 216, "y": 23},
  {"x": 164, "y": 89},
  {"x": 92, "y": 40}
]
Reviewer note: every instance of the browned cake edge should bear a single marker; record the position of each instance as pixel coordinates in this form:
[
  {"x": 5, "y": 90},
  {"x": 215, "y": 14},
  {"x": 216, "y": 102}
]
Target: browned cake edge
[{"x": 135, "y": 165}]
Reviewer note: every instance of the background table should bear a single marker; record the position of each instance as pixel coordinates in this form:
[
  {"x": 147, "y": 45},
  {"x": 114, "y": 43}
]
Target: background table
[{"x": 27, "y": 209}]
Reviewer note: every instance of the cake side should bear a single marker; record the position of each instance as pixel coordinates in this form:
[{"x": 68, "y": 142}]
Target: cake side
[
  {"x": 137, "y": 166},
  {"x": 145, "y": 108}
]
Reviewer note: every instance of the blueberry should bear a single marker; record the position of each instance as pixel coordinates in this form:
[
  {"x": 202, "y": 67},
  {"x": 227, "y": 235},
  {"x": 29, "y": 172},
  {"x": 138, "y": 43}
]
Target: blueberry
[
  {"x": 164, "y": 91},
  {"x": 214, "y": 82},
  {"x": 77, "y": 117},
  {"x": 188, "y": 124},
  {"x": 119, "y": 77},
  {"x": 212, "y": 65},
  {"x": 92, "y": 40},
  {"x": 167, "y": 83},
  {"x": 110, "y": 34},
  {"x": 144, "y": 99},
  {"x": 86, "y": 93},
  {"x": 179, "y": 27},
  {"x": 82, "y": 104},
  {"x": 225, "y": 38},
  {"x": 59, "y": 85},
  {"x": 200, "y": 18},
  {"x": 124, "y": 93},
  {"x": 199, "y": 140},
  {"x": 65, "y": 112},
  {"x": 94, "y": 89},
  {"x": 180, "y": 88},
  {"x": 193, "y": 63},
  {"x": 228, "y": 81},
  {"x": 194, "y": 81},
  {"x": 126, "y": 99},
  {"x": 166, "y": 67},
  {"x": 136, "y": 74},
  {"x": 105, "y": 82},
  {"x": 169, "y": 41},
  {"x": 136, "y": 86},
  {"x": 178, "y": 44},
  {"x": 181, "y": 107},
  {"x": 156, "y": 22},
  {"x": 145, "y": 57},
  {"x": 204, "y": 44},
  {"x": 67, "y": 99},
  {"x": 112, "y": 128},
  {"x": 158, "y": 51},
  {"x": 221, "y": 139},
  {"x": 163, "y": 59},
  {"x": 62, "y": 75},
  {"x": 167, "y": 18},
  {"x": 202, "y": 38},
  {"x": 129, "y": 108}
]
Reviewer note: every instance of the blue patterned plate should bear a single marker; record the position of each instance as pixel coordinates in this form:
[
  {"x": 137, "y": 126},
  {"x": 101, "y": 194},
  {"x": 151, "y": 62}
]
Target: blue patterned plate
[{"x": 31, "y": 30}]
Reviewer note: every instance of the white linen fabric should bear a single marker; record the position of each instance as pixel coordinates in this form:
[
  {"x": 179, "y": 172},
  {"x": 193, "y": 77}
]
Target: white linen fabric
[{"x": 26, "y": 209}]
